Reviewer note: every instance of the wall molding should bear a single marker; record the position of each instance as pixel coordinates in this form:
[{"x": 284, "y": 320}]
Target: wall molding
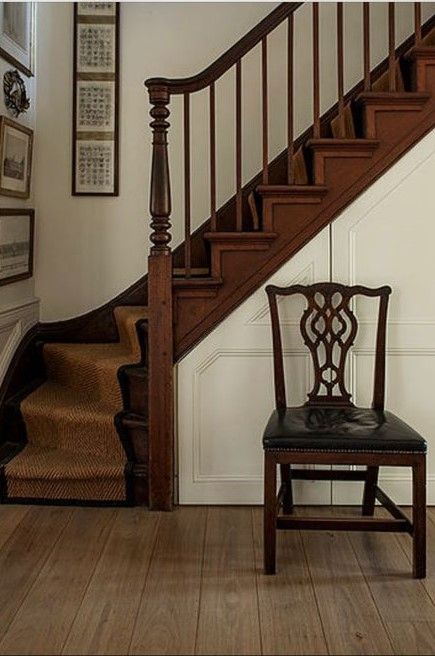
[
  {"x": 199, "y": 476},
  {"x": 15, "y": 321}
]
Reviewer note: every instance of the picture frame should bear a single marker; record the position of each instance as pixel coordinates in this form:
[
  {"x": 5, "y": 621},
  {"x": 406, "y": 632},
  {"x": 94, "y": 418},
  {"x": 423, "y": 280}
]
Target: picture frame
[
  {"x": 17, "y": 35},
  {"x": 95, "y": 151},
  {"x": 17, "y": 230},
  {"x": 16, "y": 150}
]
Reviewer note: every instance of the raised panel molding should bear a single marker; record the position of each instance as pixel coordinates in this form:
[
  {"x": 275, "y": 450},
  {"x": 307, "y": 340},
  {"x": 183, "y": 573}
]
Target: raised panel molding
[
  {"x": 203, "y": 477},
  {"x": 262, "y": 317},
  {"x": 220, "y": 455},
  {"x": 15, "y": 321}
]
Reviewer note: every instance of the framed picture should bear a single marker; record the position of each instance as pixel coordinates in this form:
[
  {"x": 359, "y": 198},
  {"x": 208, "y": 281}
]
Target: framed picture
[
  {"x": 95, "y": 97},
  {"x": 17, "y": 35},
  {"x": 16, "y": 146},
  {"x": 17, "y": 228}
]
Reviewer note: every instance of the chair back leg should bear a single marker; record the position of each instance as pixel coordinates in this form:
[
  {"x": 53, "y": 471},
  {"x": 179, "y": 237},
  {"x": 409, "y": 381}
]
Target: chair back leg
[
  {"x": 419, "y": 517},
  {"x": 270, "y": 513},
  {"x": 286, "y": 480},
  {"x": 369, "y": 498}
]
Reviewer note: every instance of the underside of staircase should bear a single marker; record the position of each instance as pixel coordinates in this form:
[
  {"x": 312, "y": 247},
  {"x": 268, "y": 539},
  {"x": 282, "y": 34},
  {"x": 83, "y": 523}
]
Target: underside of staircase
[{"x": 74, "y": 406}]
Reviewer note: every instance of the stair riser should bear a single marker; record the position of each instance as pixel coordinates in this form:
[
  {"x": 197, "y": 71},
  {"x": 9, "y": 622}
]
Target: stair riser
[
  {"x": 94, "y": 379},
  {"x": 97, "y": 437}
]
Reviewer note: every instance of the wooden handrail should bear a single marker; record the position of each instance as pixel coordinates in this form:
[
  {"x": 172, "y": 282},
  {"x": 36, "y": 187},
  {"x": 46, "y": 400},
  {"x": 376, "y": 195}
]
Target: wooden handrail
[{"x": 229, "y": 58}]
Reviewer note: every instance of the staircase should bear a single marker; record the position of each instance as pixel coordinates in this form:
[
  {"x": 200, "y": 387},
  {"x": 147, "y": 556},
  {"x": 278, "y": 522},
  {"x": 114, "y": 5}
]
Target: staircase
[{"x": 86, "y": 409}]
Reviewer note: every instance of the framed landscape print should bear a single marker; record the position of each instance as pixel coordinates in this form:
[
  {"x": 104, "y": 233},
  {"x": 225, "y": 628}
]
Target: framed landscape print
[
  {"x": 96, "y": 91},
  {"x": 17, "y": 34},
  {"x": 16, "y": 146},
  {"x": 16, "y": 244}
]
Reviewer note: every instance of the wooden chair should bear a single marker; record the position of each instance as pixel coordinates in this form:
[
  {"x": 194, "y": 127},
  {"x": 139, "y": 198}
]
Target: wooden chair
[{"x": 330, "y": 430}]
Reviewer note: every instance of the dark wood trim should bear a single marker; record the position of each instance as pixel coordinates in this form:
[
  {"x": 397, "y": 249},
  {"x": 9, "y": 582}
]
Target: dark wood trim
[
  {"x": 344, "y": 524},
  {"x": 230, "y": 57},
  {"x": 25, "y": 211},
  {"x": 96, "y": 77}
]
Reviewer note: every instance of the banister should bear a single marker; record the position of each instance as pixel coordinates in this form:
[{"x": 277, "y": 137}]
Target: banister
[{"x": 228, "y": 58}]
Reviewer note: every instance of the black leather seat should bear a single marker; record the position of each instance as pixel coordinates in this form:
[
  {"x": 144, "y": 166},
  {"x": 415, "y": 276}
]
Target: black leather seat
[{"x": 337, "y": 429}]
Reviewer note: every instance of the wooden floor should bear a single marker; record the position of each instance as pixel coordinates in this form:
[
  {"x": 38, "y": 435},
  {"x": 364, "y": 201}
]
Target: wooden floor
[{"x": 125, "y": 581}]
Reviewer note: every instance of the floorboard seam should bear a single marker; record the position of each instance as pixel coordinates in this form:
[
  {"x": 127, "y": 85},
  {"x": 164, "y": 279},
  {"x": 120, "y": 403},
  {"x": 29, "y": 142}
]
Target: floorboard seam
[
  {"x": 89, "y": 581},
  {"x": 201, "y": 578},
  {"x": 256, "y": 582},
  {"x": 156, "y": 533},
  {"x": 44, "y": 560},
  {"x": 313, "y": 587},
  {"x": 387, "y": 633}
]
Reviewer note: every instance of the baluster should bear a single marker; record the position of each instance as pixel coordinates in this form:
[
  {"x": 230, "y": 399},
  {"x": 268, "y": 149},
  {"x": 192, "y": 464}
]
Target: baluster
[
  {"x": 290, "y": 145},
  {"x": 265, "y": 112},
  {"x": 391, "y": 47},
  {"x": 340, "y": 67},
  {"x": 239, "y": 217},
  {"x": 160, "y": 337},
  {"x": 213, "y": 159},
  {"x": 316, "y": 81},
  {"x": 366, "y": 45},
  {"x": 417, "y": 21},
  {"x": 187, "y": 249}
]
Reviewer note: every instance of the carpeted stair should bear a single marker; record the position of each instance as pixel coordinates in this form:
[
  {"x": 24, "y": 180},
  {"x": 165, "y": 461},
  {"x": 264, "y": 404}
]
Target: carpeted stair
[{"x": 73, "y": 450}]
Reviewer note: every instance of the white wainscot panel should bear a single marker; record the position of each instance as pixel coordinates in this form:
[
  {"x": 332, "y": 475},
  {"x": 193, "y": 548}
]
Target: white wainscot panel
[
  {"x": 226, "y": 394},
  {"x": 386, "y": 237},
  {"x": 15, "y": 321}
]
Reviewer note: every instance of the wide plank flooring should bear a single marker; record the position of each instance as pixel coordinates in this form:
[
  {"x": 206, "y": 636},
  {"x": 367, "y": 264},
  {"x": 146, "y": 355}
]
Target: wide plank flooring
[{"x": 127, "y": 581}]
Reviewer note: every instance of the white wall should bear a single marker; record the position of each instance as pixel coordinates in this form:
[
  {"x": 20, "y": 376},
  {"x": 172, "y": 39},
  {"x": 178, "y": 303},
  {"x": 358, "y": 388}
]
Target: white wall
[
  {"x": 384, "y": 237},
  {"x": 18, "y": 305},
  {"x": 89, "y": 249}
]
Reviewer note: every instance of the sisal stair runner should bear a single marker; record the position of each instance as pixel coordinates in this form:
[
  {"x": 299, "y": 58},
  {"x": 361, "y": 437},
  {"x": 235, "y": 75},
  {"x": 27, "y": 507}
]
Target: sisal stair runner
[{"x": 73, "y": 451}]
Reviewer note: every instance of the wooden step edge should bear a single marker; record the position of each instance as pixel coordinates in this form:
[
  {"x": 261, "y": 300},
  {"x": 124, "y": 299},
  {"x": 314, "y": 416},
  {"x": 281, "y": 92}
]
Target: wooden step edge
[
  {"x": 194, "y": 271},
  {"x": 240, "y": 237},
  {"x": 197, "y": 282},
  {"x": 343, "y": 145},
  {"x": 401, "y": 99},
  {"x": 292, "y": 190},
  {"x": 420, "y": 52}
]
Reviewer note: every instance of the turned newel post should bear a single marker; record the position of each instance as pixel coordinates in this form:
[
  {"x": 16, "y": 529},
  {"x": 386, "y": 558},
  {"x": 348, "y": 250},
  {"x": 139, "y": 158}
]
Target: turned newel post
[
  {"x": 160, "y": 192},
  {"x": 160, "y": 335}
]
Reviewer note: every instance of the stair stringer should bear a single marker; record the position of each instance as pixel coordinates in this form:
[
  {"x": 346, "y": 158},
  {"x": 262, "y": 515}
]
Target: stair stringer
[{"x": 295, "y": 224}]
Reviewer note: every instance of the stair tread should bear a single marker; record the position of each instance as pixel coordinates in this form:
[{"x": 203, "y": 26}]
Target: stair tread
[
  {"x": 39, "y": 462},
  {"x": 193, "y": 270},
  {"x": 197, "y": 282},
  {"x": 57, "y": 399},
  {"x": 394, "y": 97},
  {"x": 316, "y": 190},
  {"x": 240, "y": 236},
  {"x": 97, "y": 352},
  {"x": 337, "y": 143}
]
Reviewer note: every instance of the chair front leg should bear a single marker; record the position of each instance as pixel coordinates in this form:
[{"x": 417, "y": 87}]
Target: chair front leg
[
  {"x": 419, "y": 517},
  {"x": 286, "y": 480},
  {"x": 270, "y": 513},
  {"x": 369, "y": 498}
]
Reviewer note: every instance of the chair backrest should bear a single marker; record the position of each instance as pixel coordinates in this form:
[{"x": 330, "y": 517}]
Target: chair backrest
[{"x": 329, "y": 327}]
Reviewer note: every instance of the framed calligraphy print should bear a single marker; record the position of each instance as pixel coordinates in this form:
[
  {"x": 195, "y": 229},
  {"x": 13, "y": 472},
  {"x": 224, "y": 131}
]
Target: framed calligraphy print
[{"x": 96, "y": 99}]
